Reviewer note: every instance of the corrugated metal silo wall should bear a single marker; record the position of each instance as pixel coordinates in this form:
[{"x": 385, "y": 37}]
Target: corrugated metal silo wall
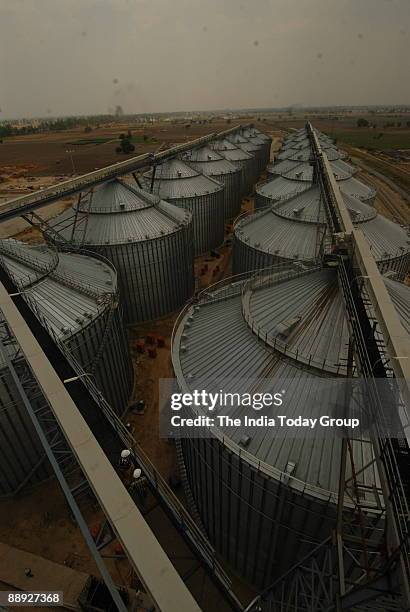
[
  {"x": 22, "y": 458},
  {"x": 114, "y": 374},
  {"x": 156, "y": 277},
  {"x": 260, "y": 526},
  {"x": 232, "y": 197},
  {"x": 254, "y": 170},
  {"x": 260, "y": 160},
  {"x": 246, "y": 258},
  {"x": 207, "y": 219},
  {"x": 245, "y": 179}
]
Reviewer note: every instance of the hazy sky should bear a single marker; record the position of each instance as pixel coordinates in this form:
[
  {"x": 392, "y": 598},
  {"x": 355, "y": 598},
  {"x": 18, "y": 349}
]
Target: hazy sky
[{"x": 86, "y": 56}]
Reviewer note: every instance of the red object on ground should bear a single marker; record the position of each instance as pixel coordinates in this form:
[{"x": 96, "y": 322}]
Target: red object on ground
[
  {"x": 149, "y": 339},
  {"x": 152, "y": 352},
  {"x": 160, "y": 342},
  {"x": 140, "y": 346},
  {"x": 118, "y": 549}
]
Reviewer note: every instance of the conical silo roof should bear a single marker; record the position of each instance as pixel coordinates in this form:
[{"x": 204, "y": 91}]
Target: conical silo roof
[
  {"x": 212, "y": 164},
  {"x": 69, "y": 290},
  {"x": 400, "y": 296},
  {"x": 230, "y": 151},
  {"x": 289, "y": 168},
  {"x": 209, "y": 162},
  {"x": 118, "y": 213},
  {"x": 285, "y": 185},
  {"x": 244, "y": 143},
  {"x": 291, "y": 226},
  {"x": 315, "y": 345},
  {"x": 174, "y": 179},
  {"x": 280, "y": 188}
]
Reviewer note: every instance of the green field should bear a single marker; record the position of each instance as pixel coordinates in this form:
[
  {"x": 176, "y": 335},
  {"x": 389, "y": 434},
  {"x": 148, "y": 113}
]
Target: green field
[{"x": 373, "y": 138}]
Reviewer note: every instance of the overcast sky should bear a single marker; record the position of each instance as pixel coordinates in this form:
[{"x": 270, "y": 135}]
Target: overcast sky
[{"x": 60, "y": 57}]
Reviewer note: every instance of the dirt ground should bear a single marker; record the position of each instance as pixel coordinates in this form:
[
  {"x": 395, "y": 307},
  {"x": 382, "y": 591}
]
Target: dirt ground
[
  {"x": 39, "y": 521},
  {"x": 50, "y": 150}
]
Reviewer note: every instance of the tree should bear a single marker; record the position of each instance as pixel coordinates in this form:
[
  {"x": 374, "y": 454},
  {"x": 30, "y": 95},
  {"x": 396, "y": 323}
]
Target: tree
[{"x": 362, "y": 122}]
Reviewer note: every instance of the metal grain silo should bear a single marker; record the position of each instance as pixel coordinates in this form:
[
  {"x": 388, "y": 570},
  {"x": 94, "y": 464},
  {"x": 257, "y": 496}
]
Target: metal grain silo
[
  {"x": 267, "y": 140},
  {"x": 300, "y": 177},
  {"x": 76, "y": 297},
  {"x": 266, "y": 499},
  {"x": 254, "y": 139},
  {"x": 149, "y": 241},
  {"x": 253, "y": 149},
  {"x": 176, "y": 182},
  {"x": 295, "y": 228},
  {"x": 211, "y": 163},
  {"x": 240, "y": 158}
]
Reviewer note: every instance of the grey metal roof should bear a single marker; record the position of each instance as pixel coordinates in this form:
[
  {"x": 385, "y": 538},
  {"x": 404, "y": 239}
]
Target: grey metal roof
[
  {"x": 291, "y": 167},
  {"x": 281, "y": 188},
  {"x": 261, "y": 135},
  {"x": 174, "y": 179},
  {"x": 355, "y": 188},
  {"x": 244, "y": 143},
  {"x": 120, "y": 214},
  {"x": 305, "y": 206},
  {"x": 72, "y": 295},
  {"x": 292, "y": 235},
  {"x": 295, "y": 154},
  {"x": 230, "y": 151},
  {"x": 287, "y": 184},
  {"x": 254, "y": 138},
  {"x": 219, "y": 325},
  {"x": 400, "y": 295},
  {"x": 278, "y": 236},
  {"x": 209, "y": 162}
]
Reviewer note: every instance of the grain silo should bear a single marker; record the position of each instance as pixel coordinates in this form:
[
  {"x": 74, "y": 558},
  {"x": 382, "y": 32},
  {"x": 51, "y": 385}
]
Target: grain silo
[
  {"x": 299, "y": 178},
  {"x": 76, "y": 297},
  {"x": 254, "y": 139},
  {"x": 176, "y": 182},
  {"x": 253, "y": 149},
  {"x": 149, "y": 241},
  {"x": 240, "y": 158},
  {"x": 295, "y": 228},
  {"x": 267, "y": 140},
  {"x": 211, "y": 163},
  {"x": 267, "y": 499}
]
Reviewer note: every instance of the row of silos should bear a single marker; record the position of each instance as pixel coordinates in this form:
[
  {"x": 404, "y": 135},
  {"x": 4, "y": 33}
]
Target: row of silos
[
  {"x": 76, "y": 297},
  {"x": 209, "y": 181},
  {"x": 266, "y": 499},
  {"x": 291, "y": 219},
  {"x": 295, "y": 228},
  {"x": 151, "y": 240}
]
